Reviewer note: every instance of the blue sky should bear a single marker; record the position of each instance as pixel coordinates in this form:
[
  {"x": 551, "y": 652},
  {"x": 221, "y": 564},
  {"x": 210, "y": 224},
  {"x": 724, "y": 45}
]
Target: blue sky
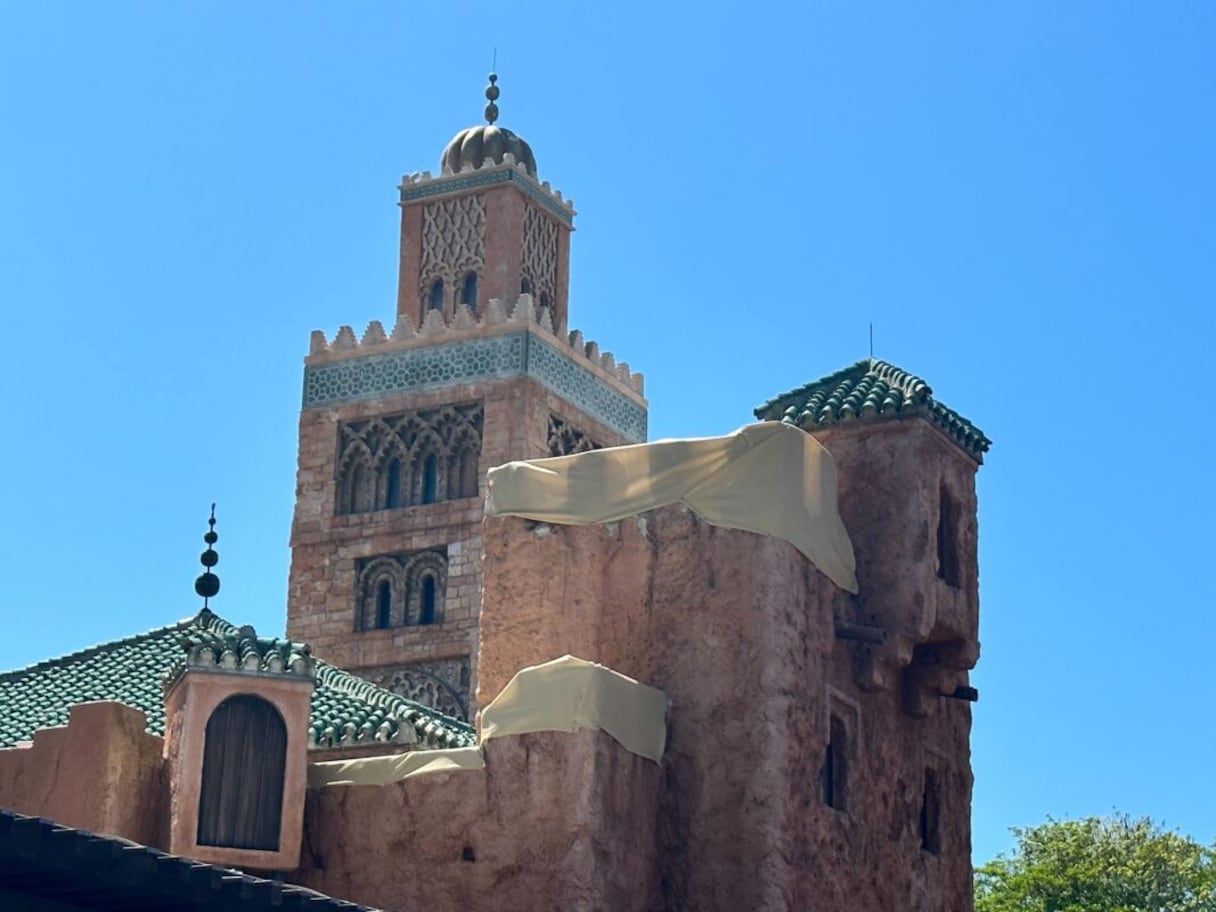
[{"x": 1020, "y": 196}]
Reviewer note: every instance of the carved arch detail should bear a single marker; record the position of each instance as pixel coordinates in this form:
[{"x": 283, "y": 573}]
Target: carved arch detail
[
  {"x": 406, "y": 575},
  {"x": 539, "y": 268},
  {"x": 566, "y": 439},
  {"x": 453, "y": 245},
  {"x": 368, "y": 449}
]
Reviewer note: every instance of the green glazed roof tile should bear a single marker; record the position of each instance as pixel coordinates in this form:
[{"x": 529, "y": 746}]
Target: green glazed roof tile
[
  {"x": 346, "y": 710},
  {"x": 870, "y": 390}
]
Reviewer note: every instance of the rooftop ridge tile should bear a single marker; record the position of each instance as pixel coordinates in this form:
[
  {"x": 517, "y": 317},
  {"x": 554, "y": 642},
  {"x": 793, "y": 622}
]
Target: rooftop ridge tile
[
  {"x": 345, "y": 709},
  {"x": 870, "y": 389},
  {"x": 88, "y": 651}
]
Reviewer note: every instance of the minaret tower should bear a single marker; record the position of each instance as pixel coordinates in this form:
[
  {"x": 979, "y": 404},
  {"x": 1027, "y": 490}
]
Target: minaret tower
[{"x": 398, "y": 429}]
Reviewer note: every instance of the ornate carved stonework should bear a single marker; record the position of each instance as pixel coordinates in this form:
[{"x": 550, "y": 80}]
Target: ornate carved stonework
[
  {"x": 453, "y": 241},
  {"x": 395, "y": 461},
  {"x": 566, "y": 438},
  {"x": 442, "y": 684},
  {"x": 540, "y": 255}
]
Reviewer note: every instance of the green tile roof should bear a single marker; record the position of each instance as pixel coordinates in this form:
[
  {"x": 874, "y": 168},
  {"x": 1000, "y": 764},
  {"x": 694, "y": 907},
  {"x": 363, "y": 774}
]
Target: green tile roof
[
  {"x": 346, "y": 710},
  {"x": 870, "y": 390}
]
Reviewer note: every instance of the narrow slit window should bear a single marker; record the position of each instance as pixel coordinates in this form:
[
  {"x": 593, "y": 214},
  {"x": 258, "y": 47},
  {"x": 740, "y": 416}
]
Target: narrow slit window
[
  {"x": 392, "y": 486},
  {"x": 930, "y": 814},
  {"x": 384, "y": 605},
  {"x": 947, "y": 540},
  {"x": 430, "y": 479},
  {"x": 429, "y": 594},
  {"x": 468, "y": 294},
  {"x": 834, "y": 776},
  {"x": 437, "y": 295},
  {"x": 354, "y": 491}
]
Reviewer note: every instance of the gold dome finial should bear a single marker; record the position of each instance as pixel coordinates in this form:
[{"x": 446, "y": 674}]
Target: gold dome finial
[{"x": 492, "y": 96}]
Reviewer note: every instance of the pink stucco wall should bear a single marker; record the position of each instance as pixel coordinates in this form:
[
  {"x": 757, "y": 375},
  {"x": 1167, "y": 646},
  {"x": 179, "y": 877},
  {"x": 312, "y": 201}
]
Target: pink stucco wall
[
  {"x": 738, "y": 629},
  {"x": 101, "y": 772},
  {"x": 554, "y": 821}
]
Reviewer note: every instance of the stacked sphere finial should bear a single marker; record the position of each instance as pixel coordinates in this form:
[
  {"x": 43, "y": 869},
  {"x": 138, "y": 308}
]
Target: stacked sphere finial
[
  {"x": 491, "y": 97},
  {"x": 208, "y": 584}
]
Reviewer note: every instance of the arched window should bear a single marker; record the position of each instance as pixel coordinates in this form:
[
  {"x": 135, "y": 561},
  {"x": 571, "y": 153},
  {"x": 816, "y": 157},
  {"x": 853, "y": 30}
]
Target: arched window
[
  {"x": 525, "y": 285},
  {"x": 240, "y": 805},
  {"x": 430, "y": 479},
  {"x": 437, "y": 295},
  {"x": 468, "y": 294},
  {"x": 355, "y": 489},
  {"x": 384, "y": 605},
  {"x": 392, "y": 486},
  {"x": 429, "y": 593},
  {"x": 546, "y": 303}
]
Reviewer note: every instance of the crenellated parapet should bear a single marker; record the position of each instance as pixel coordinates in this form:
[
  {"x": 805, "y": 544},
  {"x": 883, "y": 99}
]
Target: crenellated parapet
[
  {"x": 506, "y": 340},
  {"x": 423, "y": 185},
  {"x": 434, "y": 329}
]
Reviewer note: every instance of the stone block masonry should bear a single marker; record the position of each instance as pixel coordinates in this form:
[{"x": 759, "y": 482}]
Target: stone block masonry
[
  {"x": 738, "y": 630},
  {"x": 523, "y": 377}
]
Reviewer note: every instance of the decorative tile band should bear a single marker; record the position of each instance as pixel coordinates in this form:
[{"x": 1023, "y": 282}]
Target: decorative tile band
[
  {"x": 426, "y": 188},
  {"x": 583, "y": 389},
  {"x": 497, "y": 357}
]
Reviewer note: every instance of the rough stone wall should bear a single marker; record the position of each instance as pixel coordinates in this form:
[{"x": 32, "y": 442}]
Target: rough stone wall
[
  {"x": 554, "y": 821},
  {"x": 738, "y": 629},
  {"x": 326, "y": 548},
  {"x": 101, "y": 772},
  {"x": 892, "y": 480}
]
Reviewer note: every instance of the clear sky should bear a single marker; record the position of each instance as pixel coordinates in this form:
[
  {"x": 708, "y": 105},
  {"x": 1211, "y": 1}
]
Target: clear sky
[{"x": 1021, "y": 196}]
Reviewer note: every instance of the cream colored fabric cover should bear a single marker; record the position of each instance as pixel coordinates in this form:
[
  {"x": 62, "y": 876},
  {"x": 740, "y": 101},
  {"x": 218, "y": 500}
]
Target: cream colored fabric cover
[
  {"x": 769, "y": 478},
  {"x": 565, "y": 695},
  {"x": 383, "y": 770},
  {"x": 570, "y": 695}
]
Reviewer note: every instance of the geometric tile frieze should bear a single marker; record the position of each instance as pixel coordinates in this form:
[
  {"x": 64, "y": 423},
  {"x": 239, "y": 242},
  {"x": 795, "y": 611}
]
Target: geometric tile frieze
[
  {"x": 424, "y": 368},
  {"x": 433, "y": 367},
  {"x": 585, "y": 390}
]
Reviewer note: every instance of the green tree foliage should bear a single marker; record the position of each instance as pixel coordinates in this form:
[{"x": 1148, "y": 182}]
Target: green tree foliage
[{"x": 1099, "y": 864}]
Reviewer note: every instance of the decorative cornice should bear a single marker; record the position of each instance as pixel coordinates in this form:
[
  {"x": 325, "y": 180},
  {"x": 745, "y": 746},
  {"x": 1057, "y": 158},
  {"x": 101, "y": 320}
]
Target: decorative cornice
[
  {"x": 423, "y": 186},
  {"x": 468, "y": 350}
]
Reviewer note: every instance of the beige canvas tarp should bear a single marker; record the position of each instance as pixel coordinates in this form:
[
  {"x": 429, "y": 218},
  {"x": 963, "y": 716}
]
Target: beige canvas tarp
[
  {"x": 769, "y": 478},
  {"x": 566, "y": 695},
  {"x": 570, "y": 695},
  {"x": 383, "y": 770}
]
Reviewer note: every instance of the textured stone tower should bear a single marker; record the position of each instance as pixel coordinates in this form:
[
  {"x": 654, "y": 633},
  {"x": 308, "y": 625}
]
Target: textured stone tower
[{"x": 398, "y": 429}]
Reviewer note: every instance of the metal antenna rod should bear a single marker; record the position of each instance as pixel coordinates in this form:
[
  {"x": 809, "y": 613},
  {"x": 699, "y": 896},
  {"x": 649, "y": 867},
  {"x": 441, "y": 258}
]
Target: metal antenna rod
[{"x": 871, "y": 340}]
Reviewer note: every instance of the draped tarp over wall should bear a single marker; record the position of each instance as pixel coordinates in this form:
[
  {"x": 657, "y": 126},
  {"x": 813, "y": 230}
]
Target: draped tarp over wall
[
  {"x": 565, "y": 695},
  {"x": 571, "y": 694},
  {"x": 769, "y": 478}
]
